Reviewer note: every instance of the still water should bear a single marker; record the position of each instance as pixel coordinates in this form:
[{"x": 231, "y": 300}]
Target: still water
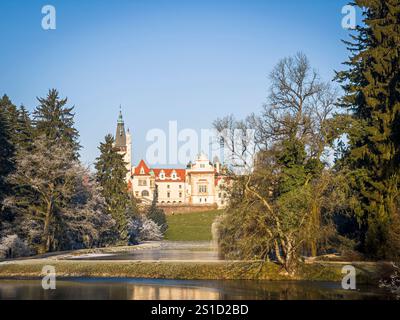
[{"x": 157, "y": 289}]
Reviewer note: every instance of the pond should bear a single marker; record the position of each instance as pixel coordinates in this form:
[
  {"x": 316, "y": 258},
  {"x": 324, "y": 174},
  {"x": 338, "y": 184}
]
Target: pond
[{"x": 158, "y": 289}]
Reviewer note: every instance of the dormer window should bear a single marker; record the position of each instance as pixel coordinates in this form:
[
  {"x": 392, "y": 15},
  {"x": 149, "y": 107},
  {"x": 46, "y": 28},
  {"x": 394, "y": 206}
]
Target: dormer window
[
  {"x": 141, "y": 170},
  {"x": 162, "y": 175},
  {"x": 173, "y": 175}
]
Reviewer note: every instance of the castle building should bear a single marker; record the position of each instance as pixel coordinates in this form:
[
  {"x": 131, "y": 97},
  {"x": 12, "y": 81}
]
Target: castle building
[{"x": 201, "y": 183}]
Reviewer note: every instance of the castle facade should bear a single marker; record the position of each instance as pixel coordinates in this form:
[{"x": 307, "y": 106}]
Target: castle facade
[{"x": 201, "y": 183}]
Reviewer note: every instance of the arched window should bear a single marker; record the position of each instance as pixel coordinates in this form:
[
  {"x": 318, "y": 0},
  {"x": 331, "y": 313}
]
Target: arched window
[{"x": 145, "y": 193}]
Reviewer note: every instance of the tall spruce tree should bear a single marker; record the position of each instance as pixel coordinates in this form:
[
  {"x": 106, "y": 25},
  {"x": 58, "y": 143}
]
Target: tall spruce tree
[
  {"x": 19, "y": 123},
  {"x": 372, "y": 87},
  {"x": 24, "y": 130},
  {"x": 11, "y": 114},
  {"x": 7, "y": 152},
  {"x": 56, "y": 121},
  {"x": 111, "y": 173},
  {"x": 8, "y": 114}
]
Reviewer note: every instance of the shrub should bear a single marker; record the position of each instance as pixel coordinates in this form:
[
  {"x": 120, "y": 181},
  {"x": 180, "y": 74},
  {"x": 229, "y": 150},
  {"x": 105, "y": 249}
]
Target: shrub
[
  {"x": 144, "y": 229},
  {"x": 150, "y": 231},
  {"x": 393, "y": 284},
  {"x": 13, "y": 247}
]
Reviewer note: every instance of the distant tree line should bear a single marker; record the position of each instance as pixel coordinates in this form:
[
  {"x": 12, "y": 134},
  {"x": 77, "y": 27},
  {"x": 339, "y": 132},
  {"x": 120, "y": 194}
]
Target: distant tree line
[
  {"x": 297, "y": 198},
  {"x": 48, "y": 200}
]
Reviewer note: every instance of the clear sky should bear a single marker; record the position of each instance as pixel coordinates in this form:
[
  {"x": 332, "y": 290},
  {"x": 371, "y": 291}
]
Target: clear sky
[{"x": 189, "y": 61}]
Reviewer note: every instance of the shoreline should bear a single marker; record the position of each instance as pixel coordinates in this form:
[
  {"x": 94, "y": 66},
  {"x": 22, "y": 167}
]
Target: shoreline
[{"x": 367, "y": 273}]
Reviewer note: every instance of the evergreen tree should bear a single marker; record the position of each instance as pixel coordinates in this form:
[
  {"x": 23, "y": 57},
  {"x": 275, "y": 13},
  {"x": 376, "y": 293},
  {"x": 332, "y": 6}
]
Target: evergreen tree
[
  {"x": 21, "y": 136},
  {"x": 56, "y": 121},
  {"x": 11, "y": 114},
  {"x": 48, "y": 178},
  {"x": 7, "y": 158},
  {"x": 111, "y": 173},
  {"x": 372, "y": 86},
  {"x": 24, "y": 136},
  {"x": 157, "y": 214},
  {"x": 18, "y": 122},
  {"x": 7, "y": 152}
]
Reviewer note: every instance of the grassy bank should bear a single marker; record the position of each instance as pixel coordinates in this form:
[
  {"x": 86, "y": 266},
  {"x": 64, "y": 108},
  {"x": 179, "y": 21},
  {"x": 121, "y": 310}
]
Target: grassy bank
[
  {"x": 194, "y": 226},
  {"x": 366, "y": 272}
]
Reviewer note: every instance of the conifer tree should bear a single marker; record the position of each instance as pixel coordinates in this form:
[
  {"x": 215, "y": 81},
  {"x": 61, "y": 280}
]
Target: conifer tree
[
  {"x": 55, "y": 120},
  {"x": 372, "y": 87},
  {"x": 7, "y": 152},
  {"x": 11, "y": 114},
  {"x": 157, "y": 214},
  {"x": 24, "y": 130},
  {"x": 19, "y": 123},
  {"x": 111, "y": 173}
]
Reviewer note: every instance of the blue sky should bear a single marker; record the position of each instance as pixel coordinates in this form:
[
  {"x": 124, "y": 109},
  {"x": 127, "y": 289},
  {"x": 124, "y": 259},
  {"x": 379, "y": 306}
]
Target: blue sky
[{"x": 190, "y": 61}]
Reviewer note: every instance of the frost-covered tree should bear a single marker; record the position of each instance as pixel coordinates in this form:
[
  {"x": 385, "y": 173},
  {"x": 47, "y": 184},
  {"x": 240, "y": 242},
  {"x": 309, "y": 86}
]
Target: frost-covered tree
[
  {"x": 62, "y": 207},
  {"x": 145, "y": 229},
  {"x": 13, "y": 247},
  {"x": 84, "y": 222},
  {"x": 50, "y": 176},
  {"x": 393, "y": 284}
]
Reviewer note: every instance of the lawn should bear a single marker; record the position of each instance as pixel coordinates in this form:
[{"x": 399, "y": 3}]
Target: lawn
[{"x": 194, "y": 226}]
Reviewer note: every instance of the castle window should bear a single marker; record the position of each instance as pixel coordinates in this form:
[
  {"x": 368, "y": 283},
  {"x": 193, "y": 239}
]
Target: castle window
[
  {"x": 202, "y": 188},
  {"x": 180, "y": 194},
  {"x": 141, "y": 170},
  {"x": 202, "y": 165},
  {"x": 168, "y": 194},
  {"x": 168, "y": 186},
  {"x": 219, "y": 195},
  {"x": 145, "y": 193},
  {"x": 142, "y": 182},
  {"x": 180, "y": 186},
  {"x": 162, "y": 175}
]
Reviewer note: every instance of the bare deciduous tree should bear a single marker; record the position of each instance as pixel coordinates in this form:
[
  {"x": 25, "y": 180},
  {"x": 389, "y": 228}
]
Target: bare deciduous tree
[{"x": 299, "y": 110}]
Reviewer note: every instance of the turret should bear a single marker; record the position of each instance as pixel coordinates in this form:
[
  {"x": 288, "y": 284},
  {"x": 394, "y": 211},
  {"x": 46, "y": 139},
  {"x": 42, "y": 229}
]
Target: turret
[
  {"x": 120, "y": 136},
  {"x": 123, "y": 144}
]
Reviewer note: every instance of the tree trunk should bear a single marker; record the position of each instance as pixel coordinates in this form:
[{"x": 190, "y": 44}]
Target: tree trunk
[{"x": 46, "y": 239}]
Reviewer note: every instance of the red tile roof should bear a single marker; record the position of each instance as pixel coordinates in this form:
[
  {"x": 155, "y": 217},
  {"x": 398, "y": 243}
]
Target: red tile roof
[
  {"x": 180, "y": 175},
  {"x": 139, "y": 167}
]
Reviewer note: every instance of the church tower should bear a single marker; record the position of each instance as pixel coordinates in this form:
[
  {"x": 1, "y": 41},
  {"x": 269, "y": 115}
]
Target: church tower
[{"x": 123, "y": 143}]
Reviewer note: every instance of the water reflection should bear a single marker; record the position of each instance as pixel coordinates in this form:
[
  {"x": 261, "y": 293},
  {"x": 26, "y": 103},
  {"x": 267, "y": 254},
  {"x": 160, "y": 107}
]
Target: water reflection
[{"x": 153, "y": 289}]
